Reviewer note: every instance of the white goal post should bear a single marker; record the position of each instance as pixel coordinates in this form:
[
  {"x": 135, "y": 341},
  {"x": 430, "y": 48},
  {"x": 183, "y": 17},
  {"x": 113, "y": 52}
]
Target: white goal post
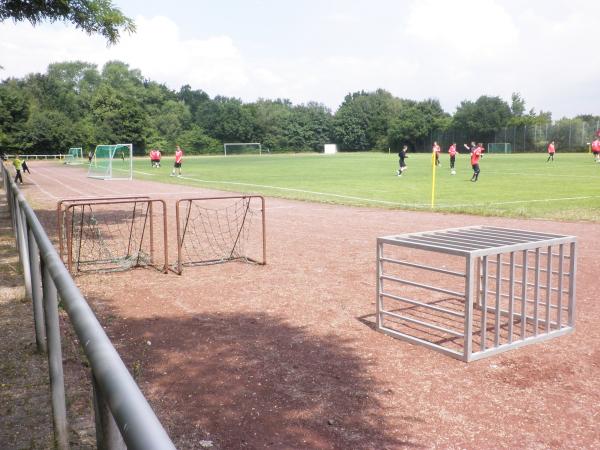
[
  {"x": 112, "y": 162},
  {"x": 242, "y": 147}
]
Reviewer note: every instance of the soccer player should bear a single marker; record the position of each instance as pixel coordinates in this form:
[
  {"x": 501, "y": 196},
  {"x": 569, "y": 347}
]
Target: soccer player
[
  {"x": 551, "y": 151},
  {"x": 25, "y": 167},
  {"x": 18, "y": 166},
  {"x": 402, "y": 156},
  {"x": 596, "y": 149},
  {"x": 155, "y": 158},
  {"x": 436, "y": 150},
  {"x": 452, "y": 152},
  {"x": 476, "y": 153},
  {"x": 178, "y": 161}
]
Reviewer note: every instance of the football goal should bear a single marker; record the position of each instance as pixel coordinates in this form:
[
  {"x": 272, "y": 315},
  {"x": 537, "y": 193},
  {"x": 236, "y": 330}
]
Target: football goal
[
  {"x": 74, "y": 156},
  {"x": 499, "y": 147},
  {"x": 242, "y": 148},
  {"x": 220, "y": 229},
  {"x": 111, "y": 234},
  {"x": 112, "y": 162}
]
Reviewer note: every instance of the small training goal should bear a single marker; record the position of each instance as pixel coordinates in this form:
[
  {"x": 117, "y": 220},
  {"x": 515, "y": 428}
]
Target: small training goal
[
  {"x": 74, "y": 156},
  {"x": 112, "y": 162},
  {"x": 112, "y": 233},
  {"x": 220, "y": 229},
  {"x": 242, "y": 148}
]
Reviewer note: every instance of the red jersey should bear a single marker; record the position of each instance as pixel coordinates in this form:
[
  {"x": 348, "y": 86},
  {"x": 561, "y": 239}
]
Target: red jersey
[
  {"x": 596, "y": 146},
  {"x": 452, "y": 150},
  {"x": 475, "y": 155},
  {"x": 436, "y": 148},
  {"x": 153, "y": 155},
  {"x": 551, "y": 148},
  {"x": 178, "y": 155}
]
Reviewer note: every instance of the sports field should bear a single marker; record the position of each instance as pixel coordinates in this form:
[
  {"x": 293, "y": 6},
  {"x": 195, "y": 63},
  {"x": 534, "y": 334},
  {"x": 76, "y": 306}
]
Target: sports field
[
  {"x": 285, "y": 355},
  {"x": 516, "y": 185}
]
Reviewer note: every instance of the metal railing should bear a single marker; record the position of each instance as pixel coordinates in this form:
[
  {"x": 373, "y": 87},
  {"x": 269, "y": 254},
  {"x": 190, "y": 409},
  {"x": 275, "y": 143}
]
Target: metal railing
[
  {"x": 36, "y": 156},
  {"x": 123, "y": 417}
]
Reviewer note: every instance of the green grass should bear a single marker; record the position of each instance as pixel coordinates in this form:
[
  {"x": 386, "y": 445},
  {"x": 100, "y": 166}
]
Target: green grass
[{"x": 517, "y": 185}]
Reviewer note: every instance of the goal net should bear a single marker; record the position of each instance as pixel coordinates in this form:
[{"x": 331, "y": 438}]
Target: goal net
[
  {"x": 499, "y": 147},
  {"x": 74, "y": 156},
  {"x": 220, "y": 229},
  {"x": 105, "y": 235},
  {"x": 112, "y": 162},
  {"x": 242, "y": 148}
]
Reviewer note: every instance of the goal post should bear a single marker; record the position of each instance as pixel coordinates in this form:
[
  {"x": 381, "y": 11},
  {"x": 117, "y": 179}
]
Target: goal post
[
  {"x": 74, "y": 156},
  {"x": 107, "y": 235},
  {"x": 112, "y": 162},
  {"x": 214, "y": 230},
  {"x": 499, "y": 147},
  {"x": 242, "y": 148}
]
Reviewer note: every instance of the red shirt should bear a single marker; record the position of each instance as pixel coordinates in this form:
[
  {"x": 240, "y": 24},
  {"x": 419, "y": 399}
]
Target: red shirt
[
  {"x": 436, "y": 148},
  {"x": 475, "y": 155},
  {"x": 178, "y": 155},
  {"x": 551, "y": 148},
  {"x": 153, "y": 154},
  {"x": 452, "y": 150},
  {"x": 596, "y": 145}
]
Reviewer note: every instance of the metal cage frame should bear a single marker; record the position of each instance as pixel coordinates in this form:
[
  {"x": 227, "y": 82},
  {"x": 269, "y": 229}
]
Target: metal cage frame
[{"x": 528, "y": 316}]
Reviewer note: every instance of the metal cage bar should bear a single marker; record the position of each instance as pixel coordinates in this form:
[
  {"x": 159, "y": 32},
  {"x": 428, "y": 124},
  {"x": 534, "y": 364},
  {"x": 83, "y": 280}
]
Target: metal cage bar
[{"x": 521, "y": 316}]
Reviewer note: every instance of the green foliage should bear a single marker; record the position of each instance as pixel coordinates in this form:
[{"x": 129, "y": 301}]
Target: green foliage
[
  {"x": 91, "y": 16},
  {"x": 482, "y": 117},
  {"x": 76, "y": 104}
]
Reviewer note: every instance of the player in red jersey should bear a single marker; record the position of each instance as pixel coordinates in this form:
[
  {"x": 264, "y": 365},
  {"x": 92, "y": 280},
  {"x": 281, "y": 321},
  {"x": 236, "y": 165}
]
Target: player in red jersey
[
  {"x": 452, "y": 152},
  {"x": 178, "y": 161},
  {"x": 551, "y": 151},
  {"x": 436, "y": 150},
  {"x": 596, "y": 149},
  {"x": 476, "y": 153}
]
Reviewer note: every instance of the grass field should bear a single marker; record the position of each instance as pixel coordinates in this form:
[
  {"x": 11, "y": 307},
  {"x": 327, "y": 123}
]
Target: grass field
[{"x": 517, "y": 185}]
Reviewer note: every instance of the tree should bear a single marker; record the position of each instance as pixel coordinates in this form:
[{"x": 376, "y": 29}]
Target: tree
[
  {"x": 517, "y": 105},
  {"x": 482, "y": 117},
  {"x": 91, "y": 16}
]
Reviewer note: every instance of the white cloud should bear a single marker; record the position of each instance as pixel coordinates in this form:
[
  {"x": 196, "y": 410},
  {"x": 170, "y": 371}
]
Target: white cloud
[
  {"x": 451, "y": 50},
  {"x": 157, "y": 49},
  {"x": 465, "y": 28}
]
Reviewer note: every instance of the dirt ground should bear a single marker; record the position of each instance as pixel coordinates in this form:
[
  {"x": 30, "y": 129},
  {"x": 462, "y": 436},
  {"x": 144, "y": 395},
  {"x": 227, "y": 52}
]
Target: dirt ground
[{"x": 285, "y": 355}]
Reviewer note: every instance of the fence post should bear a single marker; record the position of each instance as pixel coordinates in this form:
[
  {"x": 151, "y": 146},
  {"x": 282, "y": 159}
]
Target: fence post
[
  {"x": 108, "y": 436},
  {"x": 57, "y": 382},
  {"x": 36, "y": 293}
]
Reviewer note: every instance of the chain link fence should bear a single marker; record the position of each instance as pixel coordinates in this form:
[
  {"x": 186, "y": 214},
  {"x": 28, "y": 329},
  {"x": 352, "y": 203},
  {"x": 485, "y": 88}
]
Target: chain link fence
[{"x": 569, "y": 135}]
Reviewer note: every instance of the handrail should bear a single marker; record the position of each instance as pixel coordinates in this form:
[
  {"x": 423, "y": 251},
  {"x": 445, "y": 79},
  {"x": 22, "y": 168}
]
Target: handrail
[{"x": 114, "y": 386}]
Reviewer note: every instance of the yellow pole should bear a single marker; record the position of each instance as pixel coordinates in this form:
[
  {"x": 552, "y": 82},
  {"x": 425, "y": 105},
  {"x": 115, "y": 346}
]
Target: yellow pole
[{"x": 432, "y": 179}]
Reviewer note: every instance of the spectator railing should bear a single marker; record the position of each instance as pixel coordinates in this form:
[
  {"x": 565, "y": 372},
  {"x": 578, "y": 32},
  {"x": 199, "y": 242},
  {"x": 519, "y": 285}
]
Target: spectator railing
[{"x": 123, "y": 417}]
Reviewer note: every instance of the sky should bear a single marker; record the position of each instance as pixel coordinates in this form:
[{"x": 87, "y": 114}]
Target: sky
[{"x": 310, "y": 50}]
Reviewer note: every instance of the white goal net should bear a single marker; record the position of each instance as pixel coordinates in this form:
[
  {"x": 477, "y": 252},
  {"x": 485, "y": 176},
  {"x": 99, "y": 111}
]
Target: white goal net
[{"x": 242, "y": 148}]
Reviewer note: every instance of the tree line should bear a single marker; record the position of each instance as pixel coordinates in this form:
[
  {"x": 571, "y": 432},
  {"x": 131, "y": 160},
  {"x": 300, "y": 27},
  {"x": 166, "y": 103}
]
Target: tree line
[{"x": 74, "y": 104}]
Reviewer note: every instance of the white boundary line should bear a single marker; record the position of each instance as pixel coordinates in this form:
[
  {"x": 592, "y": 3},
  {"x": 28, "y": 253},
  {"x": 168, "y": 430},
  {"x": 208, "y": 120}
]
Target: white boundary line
[{"x": 386, "y": 202}]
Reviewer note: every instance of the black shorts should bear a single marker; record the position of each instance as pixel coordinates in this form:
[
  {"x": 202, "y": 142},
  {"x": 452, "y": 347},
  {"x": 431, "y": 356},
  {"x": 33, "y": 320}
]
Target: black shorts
[
  {"x": 475, "y": 167},
  {"x": 595, "y": 152},
  {"x": 177, "y": 165}
]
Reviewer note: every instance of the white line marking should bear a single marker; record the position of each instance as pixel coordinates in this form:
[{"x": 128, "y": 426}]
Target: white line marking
[
  {"x": 411, "y": 205},
  {"x": 327, "y": 194}
]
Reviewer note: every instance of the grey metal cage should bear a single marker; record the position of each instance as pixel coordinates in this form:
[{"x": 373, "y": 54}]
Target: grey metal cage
[{"x": 491, "y": 289}]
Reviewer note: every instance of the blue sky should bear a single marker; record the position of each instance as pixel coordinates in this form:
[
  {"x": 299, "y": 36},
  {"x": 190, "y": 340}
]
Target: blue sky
[{"x": 322, "y": 50}]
